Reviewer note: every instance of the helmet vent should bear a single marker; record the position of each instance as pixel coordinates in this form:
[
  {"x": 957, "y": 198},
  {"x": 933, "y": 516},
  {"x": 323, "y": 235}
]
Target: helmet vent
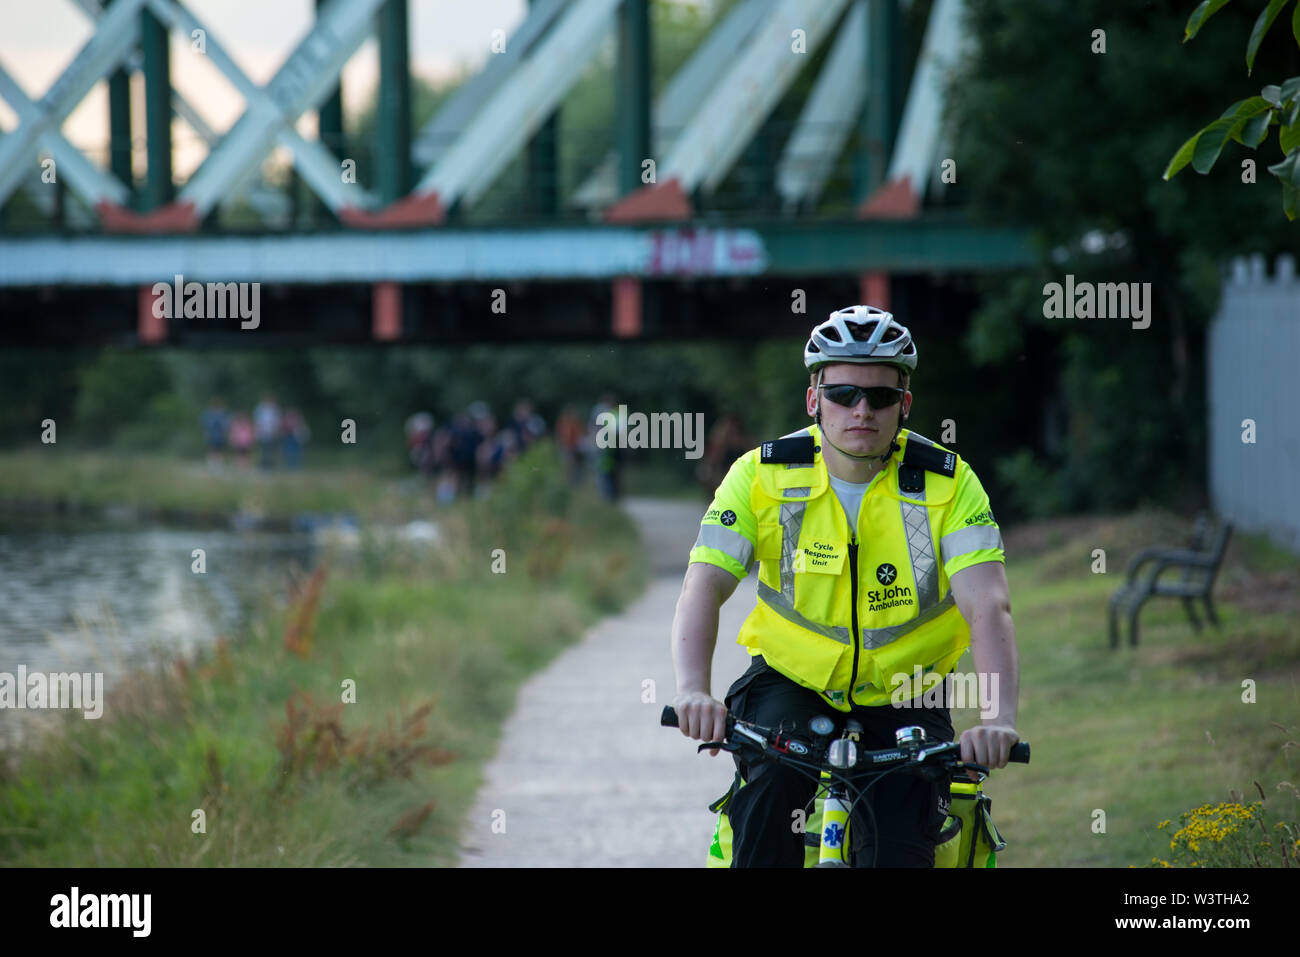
[{"x": 862, "y": 334}]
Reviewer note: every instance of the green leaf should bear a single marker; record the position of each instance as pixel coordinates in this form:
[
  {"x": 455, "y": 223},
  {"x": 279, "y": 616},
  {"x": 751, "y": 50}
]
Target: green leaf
[
  {"x": 1210, "y": 143},
  {"x": 1183, "y": 156},
  {"x": 1295, "y": 27},
  {"x": 1273, "y": 92},
  {"x": 1231, "y": 111},
  {"x": 1289, "y": 88},
  {"x": 1203, "y": 148},
  {"x": 1246, "y": 108},
  {"x": 1288, "y": 171},
  {"x": 1289, "y": 137},
  {"x": 1290, "y": 200},
  {"x": 1265, "y": 20},
  {"x": 1256, "y": 128},
  {"x": 1207, "y": 9},
  {"x": 1247, "y": 112}
]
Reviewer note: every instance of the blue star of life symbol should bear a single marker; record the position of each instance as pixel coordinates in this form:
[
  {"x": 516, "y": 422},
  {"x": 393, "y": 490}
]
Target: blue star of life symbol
[{"x": 833, "y": 836}]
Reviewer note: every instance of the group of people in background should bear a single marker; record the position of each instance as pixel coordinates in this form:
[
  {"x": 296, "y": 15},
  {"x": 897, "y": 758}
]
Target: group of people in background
[
  {"x": 465, "y": 455},
  {"x": 277, "y": 434}
]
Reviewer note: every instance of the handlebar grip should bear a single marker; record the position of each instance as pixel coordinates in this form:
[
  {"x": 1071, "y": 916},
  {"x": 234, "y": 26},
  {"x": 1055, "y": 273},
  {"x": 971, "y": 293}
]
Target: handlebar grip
[
  {"x": 1019, "y": 753},
  {"x": 669, "y": 719}
]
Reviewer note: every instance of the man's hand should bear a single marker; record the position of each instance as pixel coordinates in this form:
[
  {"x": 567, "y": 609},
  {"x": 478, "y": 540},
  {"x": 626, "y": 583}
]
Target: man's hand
[
  {"x": 701, "y": 717},
  {"x": 989, "y": 745}
]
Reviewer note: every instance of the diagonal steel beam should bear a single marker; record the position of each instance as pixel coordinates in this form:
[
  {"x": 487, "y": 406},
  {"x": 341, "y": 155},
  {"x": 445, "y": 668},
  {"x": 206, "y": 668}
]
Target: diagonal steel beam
[
  {"x": 87, "y": 180},
  {"x": 727, "y": 121},
  {"x": 313, "y": 159},
  {"x": 301, "y": 83},
  {"x": 919, "y": 132},
  {"x": 688, "y": 88},
  {"x": 453, "y": 116},
  {"x": 180, "y": 106},
  {"x": 520, "y": 105},
  {"x": 109, "y": 45},
  {"x": 828, "y": 116}
]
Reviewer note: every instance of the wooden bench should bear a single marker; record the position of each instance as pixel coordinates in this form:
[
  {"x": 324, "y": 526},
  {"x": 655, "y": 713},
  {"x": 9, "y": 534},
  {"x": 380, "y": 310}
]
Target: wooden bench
[{"x": 1199, "y": 563}]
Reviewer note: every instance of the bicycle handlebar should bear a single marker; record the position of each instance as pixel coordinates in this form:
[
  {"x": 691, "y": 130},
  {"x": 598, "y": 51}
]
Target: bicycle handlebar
[{"x": 668, "y": 719}]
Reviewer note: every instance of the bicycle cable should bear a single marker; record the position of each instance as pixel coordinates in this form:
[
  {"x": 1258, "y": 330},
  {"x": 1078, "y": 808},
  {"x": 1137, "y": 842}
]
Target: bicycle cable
[
  {"x": 814, "y": 773},
  {"x": 859, "y": 796}
]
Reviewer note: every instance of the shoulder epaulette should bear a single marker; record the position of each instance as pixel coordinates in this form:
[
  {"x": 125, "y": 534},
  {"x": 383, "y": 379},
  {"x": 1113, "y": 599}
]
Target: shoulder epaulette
[
  {"x": 791, "y": 450},
  {"x": 922, "y": 456}
]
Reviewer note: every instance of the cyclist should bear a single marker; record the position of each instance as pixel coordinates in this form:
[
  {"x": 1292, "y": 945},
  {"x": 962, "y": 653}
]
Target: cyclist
[{"x": 900, "y": 569}]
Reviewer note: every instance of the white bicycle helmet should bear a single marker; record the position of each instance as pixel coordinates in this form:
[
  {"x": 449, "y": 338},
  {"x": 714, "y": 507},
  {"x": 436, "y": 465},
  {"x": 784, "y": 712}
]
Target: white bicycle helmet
[{"x": 861, "y": 334}]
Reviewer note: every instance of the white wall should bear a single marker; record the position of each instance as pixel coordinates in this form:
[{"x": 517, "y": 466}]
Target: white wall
[{"x": 1253, "y": 370}]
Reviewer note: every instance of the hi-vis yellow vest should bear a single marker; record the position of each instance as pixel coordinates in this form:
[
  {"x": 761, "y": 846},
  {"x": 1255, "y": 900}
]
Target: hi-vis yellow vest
[{"x": 814, "y": 569}]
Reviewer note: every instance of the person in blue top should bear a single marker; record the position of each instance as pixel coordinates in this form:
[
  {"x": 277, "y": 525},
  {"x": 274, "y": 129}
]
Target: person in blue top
[{"x": 214, "y": 421}]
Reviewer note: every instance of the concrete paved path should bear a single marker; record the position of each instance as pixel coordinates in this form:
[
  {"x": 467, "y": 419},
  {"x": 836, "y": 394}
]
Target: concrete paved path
[{"x": 584, "y": 774}]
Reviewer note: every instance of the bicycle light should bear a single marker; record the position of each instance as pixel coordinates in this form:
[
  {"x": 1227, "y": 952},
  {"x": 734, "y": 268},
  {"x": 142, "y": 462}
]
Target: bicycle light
[
  {"x": 822, "y": 725},
  {"x": 842, "y": 753},
  {"x": 911, "y": 736}
]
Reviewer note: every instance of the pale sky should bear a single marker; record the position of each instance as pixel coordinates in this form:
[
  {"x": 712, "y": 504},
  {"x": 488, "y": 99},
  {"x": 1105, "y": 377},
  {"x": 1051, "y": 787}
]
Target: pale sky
[{"x": 38, "y": 38}]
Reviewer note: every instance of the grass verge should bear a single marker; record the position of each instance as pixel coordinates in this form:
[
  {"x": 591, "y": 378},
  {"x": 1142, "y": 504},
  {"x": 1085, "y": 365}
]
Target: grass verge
[
  {"x": 162, "y": 484},
  {"x": 1130, "y": 738},
  {"x": 350, "y": 723}
]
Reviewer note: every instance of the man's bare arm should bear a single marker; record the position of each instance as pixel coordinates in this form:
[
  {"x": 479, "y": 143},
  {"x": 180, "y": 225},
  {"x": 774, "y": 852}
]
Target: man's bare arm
[
  {"x": 694, "y": 636},
  {"x": 982, "y": 594}
]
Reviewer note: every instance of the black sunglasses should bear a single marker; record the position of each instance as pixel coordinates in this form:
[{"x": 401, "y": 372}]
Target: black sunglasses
[{"x": 878, "y": 396}]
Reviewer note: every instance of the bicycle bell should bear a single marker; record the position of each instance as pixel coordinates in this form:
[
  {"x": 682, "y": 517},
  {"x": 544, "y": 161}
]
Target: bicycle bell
[{"x": 910, "y": 736}]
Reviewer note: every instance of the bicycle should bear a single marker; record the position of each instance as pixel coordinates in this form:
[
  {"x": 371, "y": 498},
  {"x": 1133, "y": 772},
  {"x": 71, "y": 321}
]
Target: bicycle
[{"x": 827, "y": 760}]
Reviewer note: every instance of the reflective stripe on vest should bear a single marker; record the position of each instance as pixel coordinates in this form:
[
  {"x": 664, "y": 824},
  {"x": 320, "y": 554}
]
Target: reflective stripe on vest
[
  {"x": 879, "y": 637},
  {"x": 970, "y": 539},
  {"x": 777, "y": 602},
  {"x": 726, "y": 540},
  {"x": 791, "y": 526},
  {"x": 920, "y": 548},
  {"x": 871, "y": 637}
]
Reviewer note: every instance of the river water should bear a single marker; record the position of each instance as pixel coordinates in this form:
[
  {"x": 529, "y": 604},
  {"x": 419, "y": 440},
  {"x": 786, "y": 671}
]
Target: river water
[{"x": 108, "y": 595}]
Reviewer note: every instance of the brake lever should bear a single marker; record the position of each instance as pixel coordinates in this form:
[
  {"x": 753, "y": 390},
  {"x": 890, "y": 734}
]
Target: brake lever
[
  {"x": 720, "y": 745},
  {"x": 962, "y": 766}
]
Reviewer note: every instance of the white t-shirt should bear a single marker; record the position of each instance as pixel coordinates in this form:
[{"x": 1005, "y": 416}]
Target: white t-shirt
[{"x": 850, "y": 496}]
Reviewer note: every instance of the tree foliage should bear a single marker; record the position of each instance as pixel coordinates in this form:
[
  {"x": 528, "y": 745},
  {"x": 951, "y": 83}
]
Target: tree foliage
[
  {"x": 1053, "y": 133},
  {"x": 1248, "y": 121}
]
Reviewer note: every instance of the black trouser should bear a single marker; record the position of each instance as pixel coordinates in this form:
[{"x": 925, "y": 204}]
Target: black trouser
[{"x": 909, "y": 811}]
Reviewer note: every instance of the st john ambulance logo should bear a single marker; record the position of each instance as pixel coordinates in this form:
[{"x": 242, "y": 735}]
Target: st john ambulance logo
[
  {"x": 886, "y": 573},
  {"x": 728, "y": 517}
]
